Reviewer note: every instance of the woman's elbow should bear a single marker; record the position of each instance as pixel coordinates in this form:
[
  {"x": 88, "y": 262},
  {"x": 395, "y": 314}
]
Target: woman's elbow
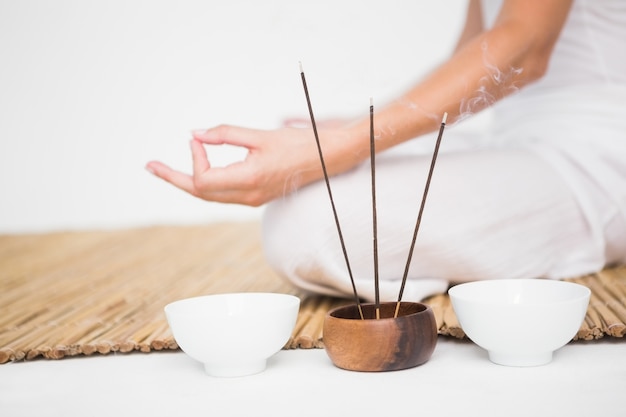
[{"x": 535, "y": 67}]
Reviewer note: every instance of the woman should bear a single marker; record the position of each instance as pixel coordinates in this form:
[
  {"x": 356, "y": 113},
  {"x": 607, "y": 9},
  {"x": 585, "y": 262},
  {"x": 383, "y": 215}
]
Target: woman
[{"x": 540, "y": 193}]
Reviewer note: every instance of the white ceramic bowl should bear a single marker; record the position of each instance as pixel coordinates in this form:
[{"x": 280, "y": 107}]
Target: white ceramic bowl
[
  {"x": 520, "y": 322},
  {"x": 233, "y": 334}
]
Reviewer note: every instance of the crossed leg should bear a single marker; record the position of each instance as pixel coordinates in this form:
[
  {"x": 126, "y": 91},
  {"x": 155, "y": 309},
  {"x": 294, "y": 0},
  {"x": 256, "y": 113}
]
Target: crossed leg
[{"x": 494, "y": 213}]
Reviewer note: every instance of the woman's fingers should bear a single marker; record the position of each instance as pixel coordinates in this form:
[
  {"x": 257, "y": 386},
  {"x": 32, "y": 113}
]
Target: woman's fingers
[
  {"x": 276, "y": 161},
  {"x": 228, "y": 135},
  {"x": 297, "y": 123},
  {"x": 199, "y": 158},
  {"x": 234, "y": 183},
  {"x": 214, "y": 184},
  {"x": 178, "y": 179},
  {"x": 304, "y": 123}
]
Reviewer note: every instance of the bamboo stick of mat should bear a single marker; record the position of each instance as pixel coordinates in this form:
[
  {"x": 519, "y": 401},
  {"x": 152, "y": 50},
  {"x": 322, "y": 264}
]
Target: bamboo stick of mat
[
  {"x": 616, "y": 288},
  {"x": 126, "y": 336},
  {"x": 81, "y": 286},
  {"x": 34, "y": 335},
  {"x": 310, "y": 334},
  {"x": 605, "y": 301},
  {"x": 436, "y": 304},
  {"x": 306, "y": 313},
  {"x": 451, "y": 322},
  {"x": 72, "y": 287},
  {"x": 308, "y": 331},
  {"x": 591, "y": 328},
  {"x": 162, "y": 338}
]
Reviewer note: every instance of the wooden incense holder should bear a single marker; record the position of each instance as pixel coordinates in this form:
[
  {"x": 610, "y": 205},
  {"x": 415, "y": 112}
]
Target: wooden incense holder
[{"x": 385, "y": 344}]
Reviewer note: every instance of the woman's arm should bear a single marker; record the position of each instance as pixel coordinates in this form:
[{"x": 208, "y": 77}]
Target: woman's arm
[
  {"x": 487, "y": 66},
  {"x": 473, "y": 24}
]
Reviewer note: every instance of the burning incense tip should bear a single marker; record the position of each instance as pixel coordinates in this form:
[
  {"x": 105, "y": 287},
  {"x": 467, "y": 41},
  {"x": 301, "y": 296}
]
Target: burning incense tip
[
  {"x": 421, "y": 210},
  {"x": 374, "y": 220},
  {"x": 300, "y": 63}
]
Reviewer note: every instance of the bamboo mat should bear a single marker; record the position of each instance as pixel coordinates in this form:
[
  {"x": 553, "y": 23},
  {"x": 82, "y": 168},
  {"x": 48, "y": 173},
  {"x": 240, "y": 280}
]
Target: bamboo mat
[{"x": 81, "y": 293}]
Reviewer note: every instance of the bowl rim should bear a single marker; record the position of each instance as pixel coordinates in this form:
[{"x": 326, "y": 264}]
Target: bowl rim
[
  {"x": 173, "y": 306},
  {"x": 456, "y": 291},
  {"x": 424, "y": 308}
]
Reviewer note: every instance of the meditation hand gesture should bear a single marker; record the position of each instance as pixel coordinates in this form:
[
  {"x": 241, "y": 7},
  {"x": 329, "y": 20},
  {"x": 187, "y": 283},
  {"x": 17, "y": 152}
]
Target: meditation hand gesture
[{"x": 278, "y": 162}]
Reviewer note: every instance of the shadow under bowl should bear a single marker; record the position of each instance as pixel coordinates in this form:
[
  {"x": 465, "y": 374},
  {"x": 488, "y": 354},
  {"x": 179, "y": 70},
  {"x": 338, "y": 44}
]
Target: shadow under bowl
[{"x": 385, "y": 344}]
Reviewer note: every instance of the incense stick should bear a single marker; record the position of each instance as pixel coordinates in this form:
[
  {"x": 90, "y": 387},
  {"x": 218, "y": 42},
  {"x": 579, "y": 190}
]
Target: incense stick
[
  {"x": 419, "y": 216},
  {"x": 374, "y": 219},
  {"x": 330, "y": 194}
]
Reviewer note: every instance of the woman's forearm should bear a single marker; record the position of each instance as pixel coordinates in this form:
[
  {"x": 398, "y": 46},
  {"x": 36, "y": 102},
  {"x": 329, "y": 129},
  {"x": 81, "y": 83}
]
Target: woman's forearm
[{"x": 485, "y": 68}]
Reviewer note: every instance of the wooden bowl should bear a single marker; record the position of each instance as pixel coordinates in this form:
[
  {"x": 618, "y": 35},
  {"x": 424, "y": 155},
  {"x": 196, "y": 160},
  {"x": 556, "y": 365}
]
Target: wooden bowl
[{"x": 385, "y": 344}]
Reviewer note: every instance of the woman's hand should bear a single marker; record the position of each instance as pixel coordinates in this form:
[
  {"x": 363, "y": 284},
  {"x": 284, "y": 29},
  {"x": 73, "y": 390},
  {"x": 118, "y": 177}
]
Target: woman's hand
[{"x": 278, "y": 162}]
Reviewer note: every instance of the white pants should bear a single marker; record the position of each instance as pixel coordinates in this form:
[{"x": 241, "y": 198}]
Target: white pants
[{"x": 490, "y": 213}]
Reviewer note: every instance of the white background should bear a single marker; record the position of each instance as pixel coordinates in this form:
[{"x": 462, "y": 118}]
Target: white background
[{"x": 92, "y": 90}]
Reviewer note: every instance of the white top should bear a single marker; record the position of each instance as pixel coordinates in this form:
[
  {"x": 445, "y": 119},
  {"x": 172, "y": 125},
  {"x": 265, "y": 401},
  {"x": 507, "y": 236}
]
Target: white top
[{"x": 575, "y": 116}]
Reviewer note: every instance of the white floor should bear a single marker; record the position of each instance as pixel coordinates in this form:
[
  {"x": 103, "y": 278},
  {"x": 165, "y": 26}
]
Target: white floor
[{"x": 584, "y": 379}]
